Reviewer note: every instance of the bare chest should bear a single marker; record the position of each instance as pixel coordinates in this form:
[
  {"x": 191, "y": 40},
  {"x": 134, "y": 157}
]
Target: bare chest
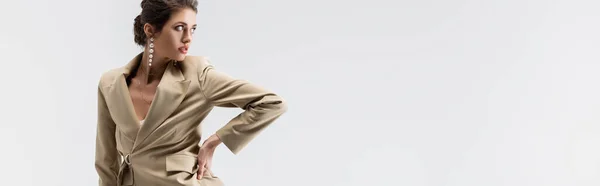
[{"x": 142, "y": 96}]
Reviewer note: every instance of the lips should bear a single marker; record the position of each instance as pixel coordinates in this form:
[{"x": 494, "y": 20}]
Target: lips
[{"x": 183, "y": 49}]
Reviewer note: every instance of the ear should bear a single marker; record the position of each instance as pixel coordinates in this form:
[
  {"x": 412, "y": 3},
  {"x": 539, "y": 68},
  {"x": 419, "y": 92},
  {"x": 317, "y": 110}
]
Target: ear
[{"x": 149, "y": 30}]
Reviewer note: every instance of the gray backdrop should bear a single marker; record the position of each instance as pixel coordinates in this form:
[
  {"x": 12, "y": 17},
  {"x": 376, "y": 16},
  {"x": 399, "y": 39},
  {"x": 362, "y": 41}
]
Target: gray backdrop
[{"x": 386, "y": 93}]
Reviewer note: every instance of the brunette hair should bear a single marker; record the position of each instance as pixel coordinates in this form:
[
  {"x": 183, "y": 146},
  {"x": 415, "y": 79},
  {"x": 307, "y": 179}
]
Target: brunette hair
[{"x": 157, "y": 13}]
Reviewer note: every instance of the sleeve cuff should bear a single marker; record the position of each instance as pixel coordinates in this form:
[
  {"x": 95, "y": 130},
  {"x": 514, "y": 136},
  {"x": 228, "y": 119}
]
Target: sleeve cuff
[{"x": 233, "y": 145}]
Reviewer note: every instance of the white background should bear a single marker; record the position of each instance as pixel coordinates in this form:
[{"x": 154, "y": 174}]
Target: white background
[{"x": 419, "y": 93}]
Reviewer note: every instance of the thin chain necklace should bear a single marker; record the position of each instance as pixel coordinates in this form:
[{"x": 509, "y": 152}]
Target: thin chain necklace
[{"x": 142, "y": 89}]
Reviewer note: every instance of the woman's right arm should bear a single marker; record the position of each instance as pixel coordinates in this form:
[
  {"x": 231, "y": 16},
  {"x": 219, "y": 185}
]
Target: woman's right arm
[{"x": 107, "y": 158}]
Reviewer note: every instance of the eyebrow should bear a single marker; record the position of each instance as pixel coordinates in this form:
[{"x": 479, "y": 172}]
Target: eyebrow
[{"x": 185, "y": 23}]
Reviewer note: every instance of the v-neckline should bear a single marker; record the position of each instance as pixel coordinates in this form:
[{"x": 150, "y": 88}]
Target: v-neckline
[
  {"x": 169, "y": 94},
  {"x": 149, "y": 106},
  {"x": 129, "y": 81}
]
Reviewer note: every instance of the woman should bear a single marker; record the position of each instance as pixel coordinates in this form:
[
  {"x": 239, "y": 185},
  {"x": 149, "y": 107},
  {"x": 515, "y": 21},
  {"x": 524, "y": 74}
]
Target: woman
[{"x": 149, "y": 111}]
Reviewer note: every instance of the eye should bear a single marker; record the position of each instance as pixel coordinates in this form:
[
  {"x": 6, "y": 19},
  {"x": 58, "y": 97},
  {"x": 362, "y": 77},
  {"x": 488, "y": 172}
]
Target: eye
[
  {"x": 179, "y": 28},
  {"x": 193, "y": 30}
]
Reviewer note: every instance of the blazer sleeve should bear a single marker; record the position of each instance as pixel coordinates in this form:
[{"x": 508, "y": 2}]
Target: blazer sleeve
[
  {"x": 261, "y": 107},
  {"x": 107, "y": 158}
]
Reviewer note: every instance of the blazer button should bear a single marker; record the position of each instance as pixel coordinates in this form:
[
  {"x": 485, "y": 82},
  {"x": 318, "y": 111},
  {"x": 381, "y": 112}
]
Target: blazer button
[{"x": 126, "y": 159}]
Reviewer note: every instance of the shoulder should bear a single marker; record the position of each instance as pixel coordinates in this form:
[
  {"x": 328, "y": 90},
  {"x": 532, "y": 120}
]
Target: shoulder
[
  {"x": 109, "y": 76},
  {"x": 198, "y": 62}
]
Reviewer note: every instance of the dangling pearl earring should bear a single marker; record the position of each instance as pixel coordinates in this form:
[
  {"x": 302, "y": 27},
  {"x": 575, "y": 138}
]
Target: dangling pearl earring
[{"x": 151, "y": 51}]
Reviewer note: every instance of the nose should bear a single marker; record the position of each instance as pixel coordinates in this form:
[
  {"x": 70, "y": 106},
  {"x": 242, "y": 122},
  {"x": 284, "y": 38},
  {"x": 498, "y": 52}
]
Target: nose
[{"x": 187, "y": 37}]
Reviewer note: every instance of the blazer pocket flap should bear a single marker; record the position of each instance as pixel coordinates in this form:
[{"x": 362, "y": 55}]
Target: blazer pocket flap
[{"x": 178, "y": 162}]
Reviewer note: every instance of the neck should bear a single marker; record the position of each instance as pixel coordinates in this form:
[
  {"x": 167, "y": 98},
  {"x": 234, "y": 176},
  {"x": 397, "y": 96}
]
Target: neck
[{"x": 147, "y": 73}]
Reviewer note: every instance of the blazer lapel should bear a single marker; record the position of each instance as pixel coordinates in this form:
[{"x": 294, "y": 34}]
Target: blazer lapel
[
  {"x": 123, "y": 110},
  {"x": 169, "y": 94}
]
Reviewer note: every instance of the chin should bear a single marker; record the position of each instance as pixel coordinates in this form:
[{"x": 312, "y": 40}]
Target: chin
[{"x": 180, "y": 57}]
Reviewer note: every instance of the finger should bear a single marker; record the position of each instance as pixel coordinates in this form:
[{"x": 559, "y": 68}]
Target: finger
[
  {"x": 201, "y": 170},
  {"x": 208, "y": 170},
  {"x": 201, "y": 174}
]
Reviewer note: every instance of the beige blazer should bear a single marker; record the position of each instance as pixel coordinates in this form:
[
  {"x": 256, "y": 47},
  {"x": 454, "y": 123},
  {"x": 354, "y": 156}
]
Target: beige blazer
[{"x": 163, "y": 150}]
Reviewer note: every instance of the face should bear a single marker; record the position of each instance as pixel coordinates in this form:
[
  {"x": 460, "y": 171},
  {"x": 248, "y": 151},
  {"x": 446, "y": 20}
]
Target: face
[{"x": 174, "y": 40}]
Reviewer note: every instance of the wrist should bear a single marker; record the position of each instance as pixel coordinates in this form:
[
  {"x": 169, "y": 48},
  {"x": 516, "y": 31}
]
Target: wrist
[{"x": 212, "y": 142}]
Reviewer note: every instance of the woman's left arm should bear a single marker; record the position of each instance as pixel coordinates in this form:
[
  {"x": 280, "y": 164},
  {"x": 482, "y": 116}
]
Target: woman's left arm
[{"x": 261, "y": 107}]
